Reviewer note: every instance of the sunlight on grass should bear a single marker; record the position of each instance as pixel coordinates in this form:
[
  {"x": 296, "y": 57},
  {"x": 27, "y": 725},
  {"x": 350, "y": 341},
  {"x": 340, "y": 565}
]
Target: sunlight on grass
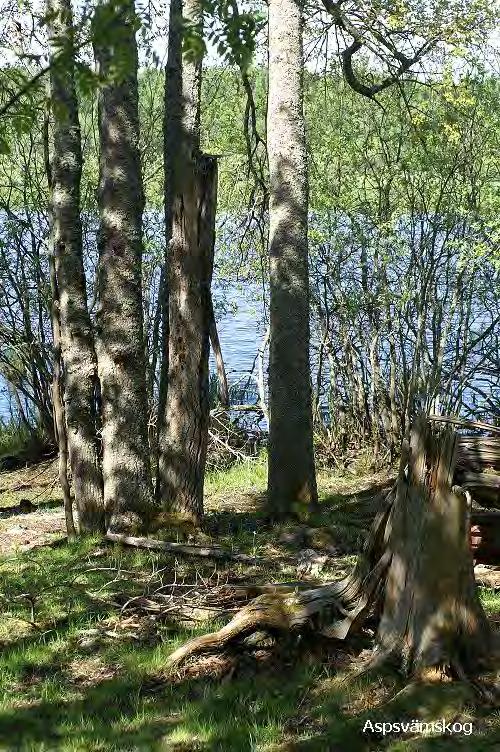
[
  {"x": 490, "y": 600},
  {"x": 249, "y": 476},
  {"x": 72, "y": 681},
  {"x": 14, "y": 437}
]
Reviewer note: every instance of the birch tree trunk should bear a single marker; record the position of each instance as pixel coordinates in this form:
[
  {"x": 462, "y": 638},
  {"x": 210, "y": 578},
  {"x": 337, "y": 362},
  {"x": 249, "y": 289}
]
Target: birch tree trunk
[
  {"x": 190, "y": 204},
  {"x": 76, "y": 336},
  {"x": 292, "y": 481},
  {"x": 128, "y": 491}
]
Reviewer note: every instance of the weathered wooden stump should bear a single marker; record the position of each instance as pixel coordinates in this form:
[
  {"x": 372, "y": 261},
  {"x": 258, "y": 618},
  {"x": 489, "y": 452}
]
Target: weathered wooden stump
[
  {"x": 415, "y": 576},
  {"x": 432, "y": 615}
]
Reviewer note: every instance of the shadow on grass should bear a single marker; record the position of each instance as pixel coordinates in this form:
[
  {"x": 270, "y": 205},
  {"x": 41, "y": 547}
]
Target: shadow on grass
[
  {"x": 348, "y": 516},
  {"x": 119, "y": 714},
  {"x": 282, "y": 707},
  {"x": 357, "y": 504},
  {"x": 347, "y": 725},
  {"x": 229, "y": 522},
  {"x": 58, "y": 695},
  {"x": 25, "y": 506}
]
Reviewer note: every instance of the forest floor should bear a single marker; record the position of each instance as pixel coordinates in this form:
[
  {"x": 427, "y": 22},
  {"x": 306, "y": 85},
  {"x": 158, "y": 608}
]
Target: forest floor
[{"x": 82, "y": 663}]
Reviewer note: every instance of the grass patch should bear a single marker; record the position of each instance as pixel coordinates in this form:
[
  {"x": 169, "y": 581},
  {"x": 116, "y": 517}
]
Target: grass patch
[
  {"x": 60, "y": 689},
  {"x": 19, "y": 444},
  {"x": 490, "y": 599},
  {"x": 249, "y": 476},
  {"x": 78, "y": 674},
  {"x": 38, "y": 483},
  {"x": 13, "y": 438}
]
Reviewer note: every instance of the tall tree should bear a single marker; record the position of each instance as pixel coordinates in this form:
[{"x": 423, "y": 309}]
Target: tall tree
[
  {"x": 292, "y": 480},
  {"x": 128, "y": 493},
  {"x": 172, "y": 137},
  {"x": 60, "y": 431},
  {"x": 76, "y": 334},
  {"x": 190, "y": 201}
]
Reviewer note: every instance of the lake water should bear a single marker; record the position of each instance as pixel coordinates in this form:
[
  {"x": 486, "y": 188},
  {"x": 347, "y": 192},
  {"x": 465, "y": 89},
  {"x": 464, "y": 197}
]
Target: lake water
[{"x": 240, "y": 334}]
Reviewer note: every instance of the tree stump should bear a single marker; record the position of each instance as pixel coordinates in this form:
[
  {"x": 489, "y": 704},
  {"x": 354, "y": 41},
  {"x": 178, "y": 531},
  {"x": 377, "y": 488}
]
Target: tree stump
[
  {"x": 415, "y": 576},
  {"x": 431, "y": 613}
]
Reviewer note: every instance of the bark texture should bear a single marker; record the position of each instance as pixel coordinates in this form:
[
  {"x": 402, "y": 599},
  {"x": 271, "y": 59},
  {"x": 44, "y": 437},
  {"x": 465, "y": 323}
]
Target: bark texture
[
  {"x": 292, "y": 480},
  {"x": 432, "y": 615},
  {"x": 172, "y": 141},
  {"x": 79, "y": 373},
  {"x": 181, "y": 141},
  {"x": 58, "y": 406},
  {"x": 190, "y": 204},
  {"x": 184, "y": 437},
  {"x": 128, "y": 491}
]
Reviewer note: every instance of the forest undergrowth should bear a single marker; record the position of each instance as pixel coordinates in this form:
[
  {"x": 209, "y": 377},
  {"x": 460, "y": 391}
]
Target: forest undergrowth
[{"x": 87, "y": 629}]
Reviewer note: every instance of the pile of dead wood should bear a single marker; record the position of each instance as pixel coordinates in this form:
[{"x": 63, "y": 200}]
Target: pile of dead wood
[{"x": 477, "y": 471}]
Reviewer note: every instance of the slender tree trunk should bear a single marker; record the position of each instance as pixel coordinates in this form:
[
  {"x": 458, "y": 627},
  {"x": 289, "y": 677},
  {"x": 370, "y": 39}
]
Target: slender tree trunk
[
  {"x": 128, "y": 491},
  {"x": 58, "y": 416},
  {"x": 192, "y": 192},
  {"x": 219, "y": 359},
  {"x": 292, "y": 480},
  {"x": 375, "y": 392},
  {"x": 156, "y": 353},
  {"x": 183, "y": 442},
  {"x": 58, "y": 406},
  {"x": 76, "y": 335},
  {"x": 172, "y": 140}
]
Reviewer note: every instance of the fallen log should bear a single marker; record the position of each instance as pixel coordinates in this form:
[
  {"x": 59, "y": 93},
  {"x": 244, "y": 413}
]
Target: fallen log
[
  {"x": 472, "y": 425},
  {"x": 478, "y": 468},
  {"x": 186, "y": 549},
  {"x": 479, "y": 480}
]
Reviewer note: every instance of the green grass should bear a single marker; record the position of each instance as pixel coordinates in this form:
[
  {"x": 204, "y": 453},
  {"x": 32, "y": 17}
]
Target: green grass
[
  {"x": 249, "y": 476},
  {"x": 20, "y": 444},
  {"x": 56, "y": 692},
  {"x": 76, "y": 675},
  {"x": 38, "y": 483},
  {"x": 13, "y": 438},
  {"x": 490, "y": 600}
]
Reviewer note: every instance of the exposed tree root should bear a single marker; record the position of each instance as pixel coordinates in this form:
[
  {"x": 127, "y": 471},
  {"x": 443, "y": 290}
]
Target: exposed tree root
[
  {"x": 415, "y": 575},
  {"x": 334, "y": 609}
]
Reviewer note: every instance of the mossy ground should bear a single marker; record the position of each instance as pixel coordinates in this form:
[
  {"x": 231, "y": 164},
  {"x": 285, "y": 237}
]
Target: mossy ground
[{"x": 77, "y": 674}]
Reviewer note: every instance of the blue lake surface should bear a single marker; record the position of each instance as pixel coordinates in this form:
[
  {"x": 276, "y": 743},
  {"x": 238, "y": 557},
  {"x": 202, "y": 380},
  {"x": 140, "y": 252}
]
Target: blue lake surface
[{"x": 240, "y": 334}]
